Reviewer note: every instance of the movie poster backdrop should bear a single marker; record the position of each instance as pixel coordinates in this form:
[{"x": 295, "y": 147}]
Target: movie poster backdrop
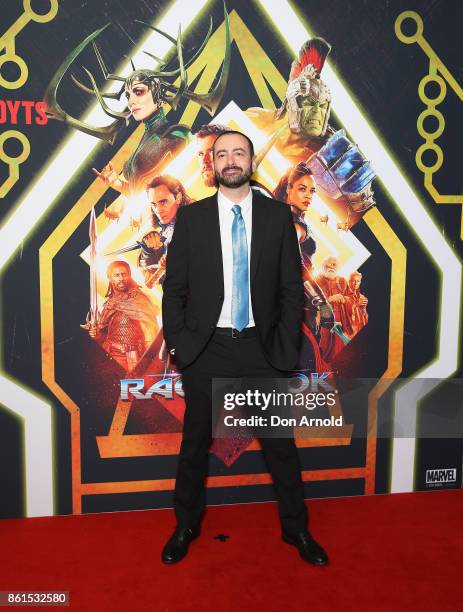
[{"x": 108, "y": 115}]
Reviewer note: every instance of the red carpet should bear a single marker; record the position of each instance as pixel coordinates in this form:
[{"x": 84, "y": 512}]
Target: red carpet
[{"x": 389, "y": 552}]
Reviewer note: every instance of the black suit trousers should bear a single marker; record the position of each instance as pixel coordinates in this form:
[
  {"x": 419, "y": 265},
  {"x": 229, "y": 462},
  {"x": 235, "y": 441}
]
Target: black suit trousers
[{"x": 227, "y": 357}]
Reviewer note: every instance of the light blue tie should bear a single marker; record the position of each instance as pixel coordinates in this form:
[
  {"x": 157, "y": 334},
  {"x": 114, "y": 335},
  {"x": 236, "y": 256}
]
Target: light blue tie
[{"x": 240, "y": 292}]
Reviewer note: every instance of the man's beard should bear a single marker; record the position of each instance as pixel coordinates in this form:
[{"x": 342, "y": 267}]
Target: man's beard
[
  {"x": 233, "y": 180},
  {"x": 331, "y": 274},
  {"x": 121, "y": 287},
  {"x": 209, "y": 177}
]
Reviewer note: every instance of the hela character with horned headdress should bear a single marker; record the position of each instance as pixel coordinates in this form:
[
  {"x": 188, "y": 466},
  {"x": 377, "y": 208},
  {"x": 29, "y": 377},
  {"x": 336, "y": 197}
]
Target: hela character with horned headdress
[
  {"x": 146, "y": 91},
  {"x": 301, "y": 132}
]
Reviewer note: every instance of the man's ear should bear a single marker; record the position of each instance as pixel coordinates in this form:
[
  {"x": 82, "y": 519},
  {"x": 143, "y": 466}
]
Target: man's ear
[
  {"x": 178, "y": 198},
  {"x": 254, "y": 164}
]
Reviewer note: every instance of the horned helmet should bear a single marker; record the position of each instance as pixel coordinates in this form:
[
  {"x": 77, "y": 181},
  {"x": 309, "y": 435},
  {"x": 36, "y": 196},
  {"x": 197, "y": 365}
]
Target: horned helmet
[{"x": 158, "y": 82}]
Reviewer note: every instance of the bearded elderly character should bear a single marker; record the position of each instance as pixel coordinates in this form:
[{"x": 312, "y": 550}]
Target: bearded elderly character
[
  {"x": 334, "y": 288},
  {"x": 300, "y": 130}
]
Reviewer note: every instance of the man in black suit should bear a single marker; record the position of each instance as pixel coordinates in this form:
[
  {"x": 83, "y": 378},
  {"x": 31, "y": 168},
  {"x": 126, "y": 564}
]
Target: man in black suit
[{"x": 226, "y": 314}]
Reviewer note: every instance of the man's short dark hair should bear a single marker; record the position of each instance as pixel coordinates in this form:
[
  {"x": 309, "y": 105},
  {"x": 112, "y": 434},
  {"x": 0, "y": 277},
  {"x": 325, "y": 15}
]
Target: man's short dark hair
[
  {"x": 251, "y": 146},
  {"x": 212, "y": 128}
]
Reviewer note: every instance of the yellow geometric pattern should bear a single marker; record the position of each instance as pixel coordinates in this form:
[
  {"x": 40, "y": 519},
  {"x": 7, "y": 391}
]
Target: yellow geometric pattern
[
  {"x": 398, "y": 255},
  {"x": 8, "y": 42},
  {"x": 436, "y": 66},
  {"x": 13, "y": 162}
]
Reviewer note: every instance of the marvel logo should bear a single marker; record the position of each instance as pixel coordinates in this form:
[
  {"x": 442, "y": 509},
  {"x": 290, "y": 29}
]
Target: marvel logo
[{"x": 441, "y": 476}]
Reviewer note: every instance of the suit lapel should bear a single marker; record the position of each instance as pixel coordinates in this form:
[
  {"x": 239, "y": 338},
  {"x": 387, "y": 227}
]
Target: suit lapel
[
  {"x": 258, "y": 228},
  {"x": 212, "y": 234}
]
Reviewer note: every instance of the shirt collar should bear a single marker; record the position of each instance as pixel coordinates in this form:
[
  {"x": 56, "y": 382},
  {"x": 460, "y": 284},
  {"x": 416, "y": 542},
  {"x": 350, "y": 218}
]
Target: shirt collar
[{"x": 227, "y": 205}]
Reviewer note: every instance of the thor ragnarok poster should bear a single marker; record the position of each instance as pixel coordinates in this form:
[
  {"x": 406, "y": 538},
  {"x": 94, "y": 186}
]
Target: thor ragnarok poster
[{"x": 108, "y": 115}]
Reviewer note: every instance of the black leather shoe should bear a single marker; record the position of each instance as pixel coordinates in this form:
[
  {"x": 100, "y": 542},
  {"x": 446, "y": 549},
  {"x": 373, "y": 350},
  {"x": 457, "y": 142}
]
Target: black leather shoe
[
  {"x": 308, "y": 548},
  {"x": 177, "y": 546}
]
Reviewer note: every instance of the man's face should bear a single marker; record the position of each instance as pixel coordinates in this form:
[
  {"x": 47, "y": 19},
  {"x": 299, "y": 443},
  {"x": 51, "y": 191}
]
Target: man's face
[
  {"x": 119, "y": 278},
  {"x": 355, "y": 282},
  {"x": 313, "y": 116},
  {"x": 164, "y": 203},
  {"x": 330, "y": 268},
  {"x": 205, "y": 159},
  {"x": 301, "y": 192},
  {"x": 233, "y": 163}
]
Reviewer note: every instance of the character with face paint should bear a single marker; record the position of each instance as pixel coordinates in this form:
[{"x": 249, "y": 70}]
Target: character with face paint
[{"x": 297, "y": 188}]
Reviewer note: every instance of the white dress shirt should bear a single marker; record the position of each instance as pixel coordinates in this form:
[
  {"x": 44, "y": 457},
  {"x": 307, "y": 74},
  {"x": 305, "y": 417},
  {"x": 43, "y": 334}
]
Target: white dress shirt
[{"x": 226, "y": 216}]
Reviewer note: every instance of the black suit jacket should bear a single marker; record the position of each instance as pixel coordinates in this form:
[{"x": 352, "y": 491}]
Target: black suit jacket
[{"x": 194, "y": 287}]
